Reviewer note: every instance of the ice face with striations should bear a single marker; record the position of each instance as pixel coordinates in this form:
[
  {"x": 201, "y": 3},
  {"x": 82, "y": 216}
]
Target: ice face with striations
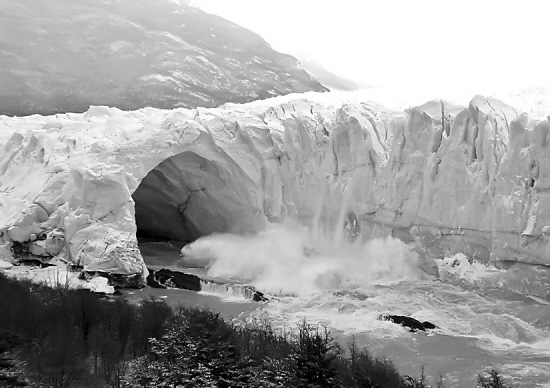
[{"x": 442, "y": 177}]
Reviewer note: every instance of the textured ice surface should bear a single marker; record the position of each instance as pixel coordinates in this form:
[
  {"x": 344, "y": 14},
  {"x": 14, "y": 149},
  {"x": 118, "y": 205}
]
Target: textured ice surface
[{"x": 474, "y": 181}]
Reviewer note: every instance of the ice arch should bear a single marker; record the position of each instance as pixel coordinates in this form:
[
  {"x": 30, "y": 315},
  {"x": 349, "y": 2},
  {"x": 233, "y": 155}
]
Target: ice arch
[{"x": 187, "y": 196}]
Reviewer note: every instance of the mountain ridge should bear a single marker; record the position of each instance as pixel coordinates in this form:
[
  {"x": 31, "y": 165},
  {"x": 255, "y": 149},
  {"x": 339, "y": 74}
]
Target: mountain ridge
[
  {"x": 65, "y": 56},
  {"x": 331, "y": 80}
]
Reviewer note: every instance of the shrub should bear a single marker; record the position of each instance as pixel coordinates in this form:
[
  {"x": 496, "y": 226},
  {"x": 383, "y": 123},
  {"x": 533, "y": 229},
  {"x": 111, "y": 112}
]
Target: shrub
[
  {"x": 363, "y": 370},
  {"x": 315, "y": 357},
  {"x": 54, "y": 359},
  {"x": 494, "y": 380},
  {"x": 72, "y": 337},
  {"x": 257, "y": 340},
  {"x": 152, "y": 317},
  {"x": 198, "y": 350}
]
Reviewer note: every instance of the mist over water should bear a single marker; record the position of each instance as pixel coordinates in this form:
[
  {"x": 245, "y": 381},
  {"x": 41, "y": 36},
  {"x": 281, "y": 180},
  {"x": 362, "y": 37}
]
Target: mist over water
[
  {"x": 289, "y": 258},
  {"x": 320, "y": 249}
]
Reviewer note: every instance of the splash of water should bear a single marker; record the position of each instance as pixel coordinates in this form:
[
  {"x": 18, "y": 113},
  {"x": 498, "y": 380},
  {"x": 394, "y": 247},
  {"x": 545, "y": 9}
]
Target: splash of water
[
  {"x": 288, "y": 258},
  {"x": 320, "y": 249},
  {"x": 458, "y": 268}
]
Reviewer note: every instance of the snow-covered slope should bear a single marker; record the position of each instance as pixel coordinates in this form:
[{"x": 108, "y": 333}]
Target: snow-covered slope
[
  {"x": 65, "y": 55},
  {"x": 326, "y": 77},
  {"x": 476, "y": 182}
]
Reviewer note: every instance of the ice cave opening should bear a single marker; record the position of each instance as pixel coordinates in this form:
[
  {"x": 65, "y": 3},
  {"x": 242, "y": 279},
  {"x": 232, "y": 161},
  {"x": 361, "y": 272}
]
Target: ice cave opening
[{"x": 188, "y": 196}]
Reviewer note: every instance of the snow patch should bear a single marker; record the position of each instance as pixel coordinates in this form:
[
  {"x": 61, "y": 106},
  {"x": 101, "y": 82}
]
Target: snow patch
[
  {"x": 4, "y": 265},
  {"x": 59, "y": 276}
]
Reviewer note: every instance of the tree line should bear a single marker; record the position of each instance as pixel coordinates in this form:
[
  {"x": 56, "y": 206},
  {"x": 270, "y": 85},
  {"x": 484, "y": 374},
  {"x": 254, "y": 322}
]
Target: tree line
[{"x": 57, "y": 337}]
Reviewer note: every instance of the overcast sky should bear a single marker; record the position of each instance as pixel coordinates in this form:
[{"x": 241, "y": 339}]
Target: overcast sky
[{"x": 387, "y": 42}]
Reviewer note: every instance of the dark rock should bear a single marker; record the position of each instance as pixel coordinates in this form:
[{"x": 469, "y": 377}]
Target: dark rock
[
  {"x": 23, "y": 252},
  {"x": 258, "y": 296},
  {"x": 125, "y": 281},
  {"x": 166, "y": 278},
  {"x": 19, "y": 250},
  {"x": 429, "y": 325},
  {"x": 33, "y": 262},
  {"x": 413, "y": 324},
  {"x": 152, "y": 281}
]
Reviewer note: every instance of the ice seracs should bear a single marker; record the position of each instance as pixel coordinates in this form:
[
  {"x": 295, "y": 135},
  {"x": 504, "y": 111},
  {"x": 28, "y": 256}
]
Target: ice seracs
[{"x": 446, "y": 178}]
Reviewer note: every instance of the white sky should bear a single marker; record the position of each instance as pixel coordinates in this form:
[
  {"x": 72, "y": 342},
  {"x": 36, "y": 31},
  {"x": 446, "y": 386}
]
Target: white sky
[{"x": 445, "y": 43}]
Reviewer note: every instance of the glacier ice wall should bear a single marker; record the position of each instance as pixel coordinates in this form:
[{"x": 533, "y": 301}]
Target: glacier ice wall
[{"x": 446, "y": 178}]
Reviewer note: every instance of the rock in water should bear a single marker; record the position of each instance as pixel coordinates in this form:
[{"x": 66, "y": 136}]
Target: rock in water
[
  {"x": 166, "y": 278},
  {"x": 411, "y": 323},
  {"x": 475, "y": 182},
  {"x": 428, "y": 325},
  {"x": 258, "y": 296},
  {"x": 240, "y": 290}
]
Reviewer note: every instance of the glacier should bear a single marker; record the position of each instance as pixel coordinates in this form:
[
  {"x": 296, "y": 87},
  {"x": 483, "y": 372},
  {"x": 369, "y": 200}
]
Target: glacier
[{"x": 446, "y": 179}]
